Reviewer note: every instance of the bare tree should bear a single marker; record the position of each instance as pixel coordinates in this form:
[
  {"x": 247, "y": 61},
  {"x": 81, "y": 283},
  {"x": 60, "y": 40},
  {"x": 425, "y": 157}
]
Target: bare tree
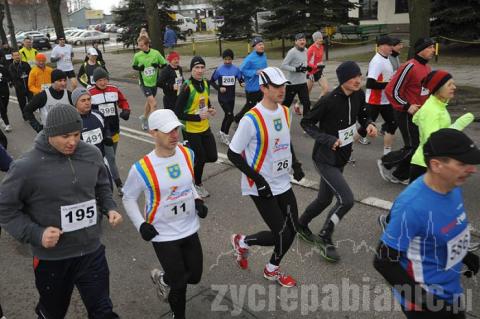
[
  {"x": 56, "y": 14},
  {"x": 11, "y": 28},
  {"x": 419, "y": 13},
  {"x": 154, "y": 27}
]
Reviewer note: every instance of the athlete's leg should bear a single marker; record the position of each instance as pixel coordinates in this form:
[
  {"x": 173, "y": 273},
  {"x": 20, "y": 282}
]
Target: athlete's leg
[
  {"x": 228, "y": 118},
  {"x": 390, "y": 126},
  {"x": 315, "y": 208},
  {"x": 290, "y": 93},
  {"x": 252, "y": 98},
  {"x": 195, "y": 143},
  {"x": 93, "y": 284},
  {"x": 304, "y": 97}
]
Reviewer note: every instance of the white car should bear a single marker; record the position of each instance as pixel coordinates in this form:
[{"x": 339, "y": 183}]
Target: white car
[{"x": 88, "y": 36}]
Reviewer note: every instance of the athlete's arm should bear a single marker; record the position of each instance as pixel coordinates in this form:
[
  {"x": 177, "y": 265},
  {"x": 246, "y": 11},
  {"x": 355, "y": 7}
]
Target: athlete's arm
[
  {"x": 122, "y": 101},
  {"x": 103, "y": 191},
  {"x": 363, "y": 116},
  {"x": 132, "y": 189},
  {"x": 12, "y": 218},
  {"x": 182, "y": 100},
  {"x": 239, "y": 161},
  {"x": 375, "y": 85},
  {"x": 82, "y": 76},
  {"x": 286, "y": 63},
  {"x": 310, "y": 120},
  {"x": 213, "y": 80},
  {"x": 246, "y": 68},
  {"x": 387, "y": 263},
  {"x": 37, "y": 102}
]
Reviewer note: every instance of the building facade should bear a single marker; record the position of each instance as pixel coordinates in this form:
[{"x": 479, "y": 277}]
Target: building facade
[{"x": 393, "y": 13}]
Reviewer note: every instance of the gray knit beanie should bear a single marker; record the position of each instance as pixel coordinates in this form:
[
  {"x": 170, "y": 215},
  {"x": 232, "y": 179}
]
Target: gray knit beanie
[
  {"x": 100, "y": 73},
  {"x": 62, "y": 119},
  {"x": 77, "y": 93}
]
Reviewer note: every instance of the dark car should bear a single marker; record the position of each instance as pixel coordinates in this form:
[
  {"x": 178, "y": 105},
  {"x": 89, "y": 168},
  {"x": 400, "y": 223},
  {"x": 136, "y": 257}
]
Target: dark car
[{"x": 41, "y": 42}]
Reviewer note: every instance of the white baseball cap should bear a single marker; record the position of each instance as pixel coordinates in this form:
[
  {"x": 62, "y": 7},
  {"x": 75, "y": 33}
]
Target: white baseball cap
[
  {"x": 272, "y": 75},
  {"x": 92, "y": 51},
  {"x": 163, "y": 120}
]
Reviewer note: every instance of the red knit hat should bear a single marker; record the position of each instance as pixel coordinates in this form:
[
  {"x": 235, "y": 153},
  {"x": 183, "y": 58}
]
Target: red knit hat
[
  {"x": 173, "y": 55},
  {"x": 435, "y": 80}
]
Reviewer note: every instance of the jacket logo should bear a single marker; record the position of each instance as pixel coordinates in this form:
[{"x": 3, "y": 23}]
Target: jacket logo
[
  {"x": 174, "y": 171},
  {"x": 277, "y": 124}
]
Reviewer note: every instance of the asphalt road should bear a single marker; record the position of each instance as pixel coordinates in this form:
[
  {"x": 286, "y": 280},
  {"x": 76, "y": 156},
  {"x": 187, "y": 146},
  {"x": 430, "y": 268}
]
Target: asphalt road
[{"x": 348, "y": 289}]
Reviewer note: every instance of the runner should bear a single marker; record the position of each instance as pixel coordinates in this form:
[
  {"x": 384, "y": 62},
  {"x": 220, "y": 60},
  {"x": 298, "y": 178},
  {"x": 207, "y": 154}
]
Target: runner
[
  {"x": 49, "y": 199},
  {"x": 28, "y": 53},
  {"x": 147, "y": 62},
  {"x": 95, "y": 130},
  {"x": 5, "y": 81},
  {"x": 85, "y": 74},
  {"x": 170, "y": 221},
  {"x": 261, "y": 149},
  {"x": 40, "y": 77},
  {"x": 406, "y": 94},
  {"x": 47, "y": 99},
  {"x": 62, "y": 54},
  {"x": 19, "y": 71},
  {"x": 379, "y": 73},
  {"x": 337, "y": 114},
  {"x": 250, "y": 68},
  {"x": 194, "y": 109},
  {"x": 425, "y": 245},
  {"x": 223, "y": 80},
  {"x": 107, "y": 98},
  {"x": 170, "y": 80},
  {"x": 295, "y": 65},
  {"x": 397, "y": 46},
  {"x": 99, "y": 54},
  {"x": 315, "y": 61}
]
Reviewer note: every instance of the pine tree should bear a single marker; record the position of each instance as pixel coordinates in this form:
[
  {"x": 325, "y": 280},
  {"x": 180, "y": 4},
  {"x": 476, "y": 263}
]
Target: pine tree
[
  {"x": 239, "y": 17},
  {"x": 456, "y": 19},
  {"x": 293, "y": 16}
]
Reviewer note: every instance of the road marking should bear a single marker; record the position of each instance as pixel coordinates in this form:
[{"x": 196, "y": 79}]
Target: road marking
[{"x": 377, "y": 202}]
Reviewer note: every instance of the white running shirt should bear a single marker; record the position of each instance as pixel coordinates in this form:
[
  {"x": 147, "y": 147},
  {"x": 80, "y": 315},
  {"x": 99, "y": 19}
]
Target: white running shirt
[
  {"x": 263, "y": 137},
  {"x": 65, "y": 63},
  {"x": 381, "y": 70},
  {"x": 167, "y": 184}
]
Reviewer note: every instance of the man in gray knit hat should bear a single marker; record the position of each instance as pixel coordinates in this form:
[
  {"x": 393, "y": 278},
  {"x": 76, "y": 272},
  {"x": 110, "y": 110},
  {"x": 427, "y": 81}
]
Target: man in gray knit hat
[{"x": 49, "y": 200}]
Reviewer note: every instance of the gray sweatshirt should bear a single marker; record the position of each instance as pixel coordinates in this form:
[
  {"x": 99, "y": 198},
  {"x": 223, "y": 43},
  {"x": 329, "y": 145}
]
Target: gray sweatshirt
[
  {"x": 295, "y": 58},
  {"x": 42, "y": 181}
]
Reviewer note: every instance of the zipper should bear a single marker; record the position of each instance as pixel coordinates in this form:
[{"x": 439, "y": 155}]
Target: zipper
[{"x": 349, "y": 111}]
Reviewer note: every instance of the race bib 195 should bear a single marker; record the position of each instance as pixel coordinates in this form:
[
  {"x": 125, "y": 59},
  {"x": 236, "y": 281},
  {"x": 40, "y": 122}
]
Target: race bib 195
[{"x": 78, "y": 216}]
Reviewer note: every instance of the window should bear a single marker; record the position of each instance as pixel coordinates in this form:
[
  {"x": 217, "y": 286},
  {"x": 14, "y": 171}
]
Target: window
[
  {"x": 368, "y": 9},
  {"x": 401, "y": 6}
]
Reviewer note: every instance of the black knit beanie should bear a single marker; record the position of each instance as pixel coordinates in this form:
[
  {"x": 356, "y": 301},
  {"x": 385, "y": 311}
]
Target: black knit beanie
[
  {"x": 196, "y": 60},
  {"x": 347, "y": 70}
]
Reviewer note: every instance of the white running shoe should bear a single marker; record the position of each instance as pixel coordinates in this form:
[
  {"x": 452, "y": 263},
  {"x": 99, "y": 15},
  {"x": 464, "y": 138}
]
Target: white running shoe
[
  {"x": 8, "y": 128},
  {"x": 224, "y": 138},
  {"x": 162, "y": 288},
  {"x": 388, "y": 176},
  {"x": 201, "y": 191},
  {"x": 144, "y": 121}
]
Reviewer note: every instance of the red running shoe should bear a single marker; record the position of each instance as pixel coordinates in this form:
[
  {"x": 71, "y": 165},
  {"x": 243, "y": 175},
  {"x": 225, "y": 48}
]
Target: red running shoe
[
  {"x": 282, "y": 279},
  {"x": 239, "y": 252}
]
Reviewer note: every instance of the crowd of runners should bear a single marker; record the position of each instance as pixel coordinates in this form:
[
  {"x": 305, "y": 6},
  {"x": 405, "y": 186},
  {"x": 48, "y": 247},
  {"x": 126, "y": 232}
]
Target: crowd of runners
[{"x": 426, "y": 238}]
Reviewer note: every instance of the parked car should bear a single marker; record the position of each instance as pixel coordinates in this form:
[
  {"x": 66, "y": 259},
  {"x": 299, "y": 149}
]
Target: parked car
[
  {"x": 89, "y": 37},
  {"x": 40, "y": 42},
  {"x": 68, "y": 32}
]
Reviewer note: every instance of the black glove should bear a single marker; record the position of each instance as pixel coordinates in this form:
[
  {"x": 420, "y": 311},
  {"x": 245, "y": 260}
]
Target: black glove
[
  {"x": 147, "y": 231},
  {"x": 201, "y": 209},
  {"x": 155, "y": 65},
  {"x": 139, "y": 67},
  {"x": 298, "y": 173},
  {"x": 37, "y": 127},
  {"x": 309, "y": 68},
  {"x": 301, "y": 68},
  {"x": 263, "y": 188},
  {"x": 125, "y": 115},
  {"x": 320, "y": 67},
  {"x": 473, "y": 264},
  {"x": 107, "y": 141}
]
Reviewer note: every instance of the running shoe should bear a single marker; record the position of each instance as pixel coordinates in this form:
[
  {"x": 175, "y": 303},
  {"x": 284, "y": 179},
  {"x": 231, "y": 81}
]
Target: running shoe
[
  {"x": 239, "y": 252},
  {"x": 384, "y": 172},
  {"x": 306, "y": 234},
  {"x": 162, "y": 288},
  {"x": 327, "y": 248},
  {"x": 297, "y": 109},
  {"x": 201, "y": 191},
  {"x": 364, "y": 141},
  {"x": 352, "y": 160},
  {"x": 224, "y": 138},
  {"x": 8, "y": 128},
  {"x": 281, "y": 278},
  {"x": 382, "y": 221},
  {"x": 120, "y": 191},
  {"x": 395, "y": 180},
  {"x": 144, "y": 121}
]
